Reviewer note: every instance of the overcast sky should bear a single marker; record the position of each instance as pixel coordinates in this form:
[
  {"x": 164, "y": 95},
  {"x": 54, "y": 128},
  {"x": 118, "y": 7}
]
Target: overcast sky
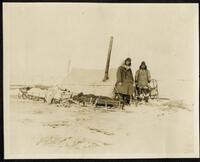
[{"x": 40, "y": 38}]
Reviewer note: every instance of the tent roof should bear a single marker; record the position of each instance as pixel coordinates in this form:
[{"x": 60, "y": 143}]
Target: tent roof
[
  {"x": 90, "y": 81},
  {"x": 89, "y": 77}
]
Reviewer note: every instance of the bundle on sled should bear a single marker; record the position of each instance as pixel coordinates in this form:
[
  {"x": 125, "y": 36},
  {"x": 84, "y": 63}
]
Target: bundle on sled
[
  {"x": 51, "y": 95},
  {"x": 37, "y": 94},
  {"x": 33, "y": 93},
  {"x": 61, "y": 95},
  {"x": 96, "y": 101}
]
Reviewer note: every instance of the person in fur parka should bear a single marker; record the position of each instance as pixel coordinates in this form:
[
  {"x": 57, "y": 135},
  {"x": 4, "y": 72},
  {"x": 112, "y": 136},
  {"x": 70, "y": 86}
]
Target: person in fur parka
[{"x": 124, "y": 84}]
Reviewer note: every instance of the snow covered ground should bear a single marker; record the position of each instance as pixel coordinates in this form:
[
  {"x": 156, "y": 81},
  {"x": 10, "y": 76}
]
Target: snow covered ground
[
  {"x": 159, "y": 128},
  {"x": 38, "y": 47}
]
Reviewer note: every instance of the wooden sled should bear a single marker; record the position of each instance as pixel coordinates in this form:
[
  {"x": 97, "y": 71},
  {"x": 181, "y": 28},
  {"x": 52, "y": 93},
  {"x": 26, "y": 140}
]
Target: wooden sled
[
  {"x": 97, "y": 101},
  {"x": 108, "y": 103}
]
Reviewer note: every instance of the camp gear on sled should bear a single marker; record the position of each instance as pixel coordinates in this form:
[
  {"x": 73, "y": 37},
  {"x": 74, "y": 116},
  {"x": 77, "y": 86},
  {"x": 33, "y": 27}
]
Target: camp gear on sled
[
  {"x": 85, "y": 98},
  {"x": 97, "y": 101},
  {"x": 61, "y": 95},
  {"x": 37, "y": 94},
  {"x": 142, "y": 76}
]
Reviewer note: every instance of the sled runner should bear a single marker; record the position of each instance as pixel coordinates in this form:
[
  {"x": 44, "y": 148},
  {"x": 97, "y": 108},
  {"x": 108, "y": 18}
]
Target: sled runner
[{"x": 103, "y": 102}]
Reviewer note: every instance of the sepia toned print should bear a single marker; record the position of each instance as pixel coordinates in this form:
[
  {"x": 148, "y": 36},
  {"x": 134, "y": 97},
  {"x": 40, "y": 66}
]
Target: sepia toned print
[{"x": 88, "y": 80}]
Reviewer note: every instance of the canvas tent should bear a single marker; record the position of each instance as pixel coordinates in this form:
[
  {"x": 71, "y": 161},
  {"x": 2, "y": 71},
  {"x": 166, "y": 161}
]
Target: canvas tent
[{"x": 90, "y": 81}]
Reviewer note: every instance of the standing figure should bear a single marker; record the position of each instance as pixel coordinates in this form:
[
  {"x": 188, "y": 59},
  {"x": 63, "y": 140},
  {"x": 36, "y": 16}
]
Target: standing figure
[
  {"x": 125, "y": 80},
  {"x": 142, "y": 80}
]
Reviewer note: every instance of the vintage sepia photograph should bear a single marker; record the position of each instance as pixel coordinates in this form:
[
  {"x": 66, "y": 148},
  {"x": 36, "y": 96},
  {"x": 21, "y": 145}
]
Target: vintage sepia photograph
[{"x": 101, "y": 80}]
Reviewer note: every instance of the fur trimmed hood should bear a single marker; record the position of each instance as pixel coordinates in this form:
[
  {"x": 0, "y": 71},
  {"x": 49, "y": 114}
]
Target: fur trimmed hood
[
  {"x": 143, "y": 63},
  {"x": 124, "y": 65}
]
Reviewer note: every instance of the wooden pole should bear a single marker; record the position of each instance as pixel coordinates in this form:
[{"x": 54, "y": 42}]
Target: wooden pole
[{"x": 106, "y": 77}]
